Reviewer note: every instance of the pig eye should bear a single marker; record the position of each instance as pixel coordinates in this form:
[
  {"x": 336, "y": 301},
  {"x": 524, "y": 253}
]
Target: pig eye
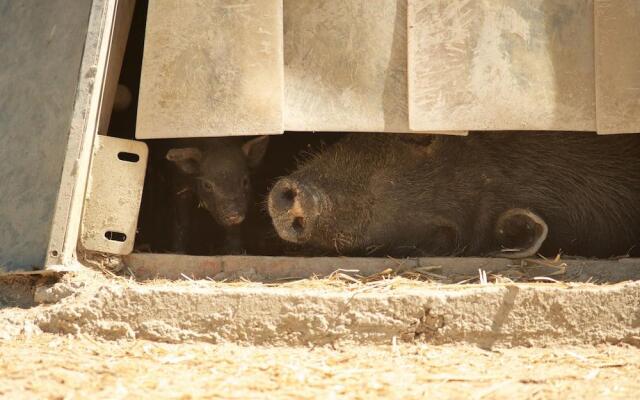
[
  {"x": 206, "y": 185},
  {"x": 245, "y": 182}
]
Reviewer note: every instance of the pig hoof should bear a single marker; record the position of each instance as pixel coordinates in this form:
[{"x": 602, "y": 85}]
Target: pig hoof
[
  {"x": 520, "y": 233},
  {"x": 294, "y": 209}
]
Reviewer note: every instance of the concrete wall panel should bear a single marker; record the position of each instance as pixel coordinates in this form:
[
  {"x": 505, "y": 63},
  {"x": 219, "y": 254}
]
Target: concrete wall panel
[
  {"x": 618, "y": 65},
  {"x": 501, "y": 65},
  {"x": 211, "y": 68}
]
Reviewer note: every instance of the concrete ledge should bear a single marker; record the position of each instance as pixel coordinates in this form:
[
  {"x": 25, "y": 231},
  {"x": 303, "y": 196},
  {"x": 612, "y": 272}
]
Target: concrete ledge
[
  {"x": 318, "y": 312},
  {"x": 146, "y": 266}
]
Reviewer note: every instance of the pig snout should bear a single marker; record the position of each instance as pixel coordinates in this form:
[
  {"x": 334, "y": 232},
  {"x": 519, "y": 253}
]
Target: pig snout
[
  {"x": 232, "y": 218},
  {"x": 294, "y": 208},
  {"x": 229, "y": 214}
]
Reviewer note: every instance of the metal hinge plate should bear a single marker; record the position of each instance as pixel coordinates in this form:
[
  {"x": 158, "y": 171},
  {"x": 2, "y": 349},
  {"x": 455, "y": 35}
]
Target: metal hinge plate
[{"x": 114, "y": 193}]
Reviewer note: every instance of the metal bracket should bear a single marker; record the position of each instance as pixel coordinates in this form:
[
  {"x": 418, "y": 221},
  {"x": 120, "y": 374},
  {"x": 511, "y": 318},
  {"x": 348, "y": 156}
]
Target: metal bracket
[{"x": 114, "y": 193}]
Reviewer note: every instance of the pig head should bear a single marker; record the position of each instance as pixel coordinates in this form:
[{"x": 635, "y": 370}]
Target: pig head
[{"x": 219, "y": 169}]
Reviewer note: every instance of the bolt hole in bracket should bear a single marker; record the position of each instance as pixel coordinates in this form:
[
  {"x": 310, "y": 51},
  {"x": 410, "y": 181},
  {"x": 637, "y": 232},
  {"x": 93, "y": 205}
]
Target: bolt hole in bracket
[
  {"x": 114, "y": 193},
  {"x": 128, "y": 157},
  {"x": 115, "y": 236}
]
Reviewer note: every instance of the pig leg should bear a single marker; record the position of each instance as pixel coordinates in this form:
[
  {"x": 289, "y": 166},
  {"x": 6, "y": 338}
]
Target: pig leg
[
  {"x": 520, "y": 233},
  {"x": 181, "y": 227}
]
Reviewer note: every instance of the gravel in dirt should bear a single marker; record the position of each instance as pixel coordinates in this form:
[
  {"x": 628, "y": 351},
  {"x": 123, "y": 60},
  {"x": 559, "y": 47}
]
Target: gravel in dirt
[{"x": 65, "y": 367}]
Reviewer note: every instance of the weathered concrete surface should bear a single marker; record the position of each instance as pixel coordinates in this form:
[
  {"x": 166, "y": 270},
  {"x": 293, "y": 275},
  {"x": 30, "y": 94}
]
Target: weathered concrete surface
[
  {"x": 41, "y": 45},
  {"x": 617, "y": 65},
  {"x": 148, "y": 266},
  {"x": 19, "y": 290},
  {"x": 346, "y": 65},
  {"x": 211, "y": 68},
  {"x": 313, "y": 312},
  {"x": 501, "y": 65}
]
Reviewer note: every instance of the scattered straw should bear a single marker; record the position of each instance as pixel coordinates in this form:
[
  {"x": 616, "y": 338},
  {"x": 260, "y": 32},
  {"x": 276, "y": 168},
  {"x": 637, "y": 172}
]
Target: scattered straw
[{"x": 483, "y": 277}]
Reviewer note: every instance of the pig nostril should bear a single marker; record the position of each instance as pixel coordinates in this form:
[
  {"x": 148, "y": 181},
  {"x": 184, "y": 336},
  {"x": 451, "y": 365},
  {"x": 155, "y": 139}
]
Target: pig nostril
[
  {"x": 288, "y": 195},
  {"x": 286, "y": 199},
  {"x": 298, "y": 224}
]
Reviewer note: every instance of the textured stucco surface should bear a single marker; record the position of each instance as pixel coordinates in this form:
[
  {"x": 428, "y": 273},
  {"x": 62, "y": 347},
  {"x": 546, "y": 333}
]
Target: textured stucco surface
[
  {"x": 309, "y": 312},
  {"x": 41, "y": 44}
]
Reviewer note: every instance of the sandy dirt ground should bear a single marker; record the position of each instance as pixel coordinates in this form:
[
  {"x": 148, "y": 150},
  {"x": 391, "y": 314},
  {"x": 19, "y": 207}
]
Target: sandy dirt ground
[{"x": 64, "y": 367}]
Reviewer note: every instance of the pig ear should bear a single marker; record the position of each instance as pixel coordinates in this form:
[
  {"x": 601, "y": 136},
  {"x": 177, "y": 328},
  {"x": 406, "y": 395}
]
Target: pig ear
[
  {"x": 255, "y": 149},
  {"x": 520, "y": 233},
  {"x": 187, "y": 159}
]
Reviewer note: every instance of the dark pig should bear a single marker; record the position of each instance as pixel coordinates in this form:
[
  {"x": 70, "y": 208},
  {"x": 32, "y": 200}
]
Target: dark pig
[
  {"x": 213, "y": 174},
  {"x": 509, "y": 193}
]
